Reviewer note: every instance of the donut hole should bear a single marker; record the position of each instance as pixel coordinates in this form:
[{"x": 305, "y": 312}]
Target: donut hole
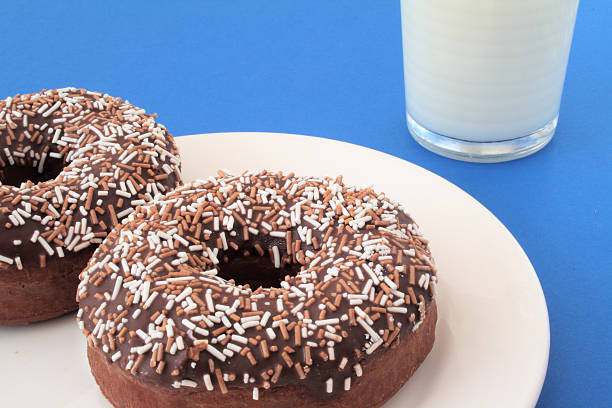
[
  {"x": 256, "y": 271},
  {"x": 17, "y": 174}
]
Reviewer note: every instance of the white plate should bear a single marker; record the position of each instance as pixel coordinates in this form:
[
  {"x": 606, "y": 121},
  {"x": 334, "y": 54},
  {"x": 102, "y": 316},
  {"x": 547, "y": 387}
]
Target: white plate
[{"x": 492, "y": 336}]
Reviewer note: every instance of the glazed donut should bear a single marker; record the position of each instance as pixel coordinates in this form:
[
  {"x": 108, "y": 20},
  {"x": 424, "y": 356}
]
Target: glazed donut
[
  {"x": 262, "y": 289},
  {"x": 73, "y": 164}
]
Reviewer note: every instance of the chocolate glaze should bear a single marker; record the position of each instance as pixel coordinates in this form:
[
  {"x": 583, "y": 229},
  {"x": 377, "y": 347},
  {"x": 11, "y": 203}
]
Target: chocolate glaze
[{"x": 193, "y": 362}]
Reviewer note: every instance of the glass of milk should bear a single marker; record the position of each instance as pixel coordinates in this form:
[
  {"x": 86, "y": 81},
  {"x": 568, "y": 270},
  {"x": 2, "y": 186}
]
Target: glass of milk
[{"x": 484, "y": 77}]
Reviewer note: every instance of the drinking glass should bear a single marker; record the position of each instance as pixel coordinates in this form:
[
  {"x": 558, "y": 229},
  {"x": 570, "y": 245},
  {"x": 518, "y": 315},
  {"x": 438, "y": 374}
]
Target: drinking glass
[{"x": 484, "y": 78}]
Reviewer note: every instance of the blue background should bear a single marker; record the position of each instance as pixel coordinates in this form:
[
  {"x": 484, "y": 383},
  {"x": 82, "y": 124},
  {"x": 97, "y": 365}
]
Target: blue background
[{"x": 334, "y": 69}]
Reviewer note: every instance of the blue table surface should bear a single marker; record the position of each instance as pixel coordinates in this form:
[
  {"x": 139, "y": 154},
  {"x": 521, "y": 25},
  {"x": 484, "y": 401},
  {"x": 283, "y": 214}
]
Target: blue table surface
[{"x": 334, "y": 69}]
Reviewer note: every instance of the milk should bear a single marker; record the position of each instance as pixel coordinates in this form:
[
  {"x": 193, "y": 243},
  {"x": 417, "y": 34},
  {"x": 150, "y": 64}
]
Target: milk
[{"x": 485, "y": 70}]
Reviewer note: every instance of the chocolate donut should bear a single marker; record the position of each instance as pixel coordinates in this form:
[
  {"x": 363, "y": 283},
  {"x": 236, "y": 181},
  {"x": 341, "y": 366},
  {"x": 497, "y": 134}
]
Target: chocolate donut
[
  {"x": 73, "y": 164},
  {"x": 262, "y": 289}
]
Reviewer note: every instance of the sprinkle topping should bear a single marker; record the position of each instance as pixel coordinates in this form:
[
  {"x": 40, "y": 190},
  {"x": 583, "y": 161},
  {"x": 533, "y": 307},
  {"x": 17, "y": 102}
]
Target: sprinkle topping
[{"x": 355, "y": 276}]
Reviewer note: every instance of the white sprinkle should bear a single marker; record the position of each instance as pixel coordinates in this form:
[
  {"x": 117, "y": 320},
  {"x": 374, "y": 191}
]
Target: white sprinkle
[
  {"x": 371, "y": 273},
  {"x": 125, "y": 212},
  {"x": 327, "y": 321},
  {"x": 223, "y": 240},
  {"x": 253, "y": 231},
  {"x": 358, "y": 370},
  {"x": 271, "y": 333},
  {"x": 181, "y": 240},
  {"x": 279, "y": 305},
  {"x": 6, "y": 260},
  {"x": 41, "y": 163},
  {"x": 276, "y": 256},
  {"x": 81, "y": 246},
  {"x": 343, "y": 363},
  {"x": 255, "y": 393},
  {"x": 45, "y": 245},
  {"x": 145, "y": 290},
  {"x": 239, "y": 328},
  {"x": 389, "y": 282},
  {"x": 150, "y": 300},
  {"x": 200, "y": 331},
  {"x": 216, "y": 353},
  {"x": 13, "y": 220},
  {"x": 56, "y": 136},
  {"x": 118, "y": 283},
  {"x": 179, "y": 343},
  {"x": 129, "y": 157},
  {"x": 100, "y": 309},
  {"x": 116, "y": 356},
  {"x": 333, "y": 337},
  {"x": 189, "y": 383},
  {"x": 330, "y": 260},
  {"x": 250, "y": 324},
  {"x": 209, "y": 300},
  {"x": 9, "y": 156},
  {"x": 169, "y": 329},
  {"x": 186, "y": 292},
  {"x": 240, "y": 339},
  {"x": 208, "y": 382},
  {"x": 358, "y": 271},
  {"x": 187, "y": 323},
  {"x": 367, "y": 287},
  {"x": 160, "y": 318},
  {"x": 264, "y": 318},
  {"x": 122, "y": 193},
  {"x": 331, "y": 353},
  {"x": 278, "y": 234},
  {"x": 51, "y": 109},
  {"x": 58, "y": 193},
  {"x": 329, "y": 385},
  {"x": 234, "y": 347}
]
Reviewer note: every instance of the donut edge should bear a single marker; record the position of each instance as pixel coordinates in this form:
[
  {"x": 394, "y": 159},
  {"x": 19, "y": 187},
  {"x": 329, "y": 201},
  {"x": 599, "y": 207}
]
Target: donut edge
[
  {"x": 34, "y": 294},
  {"x": 383, "y": 376}
]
